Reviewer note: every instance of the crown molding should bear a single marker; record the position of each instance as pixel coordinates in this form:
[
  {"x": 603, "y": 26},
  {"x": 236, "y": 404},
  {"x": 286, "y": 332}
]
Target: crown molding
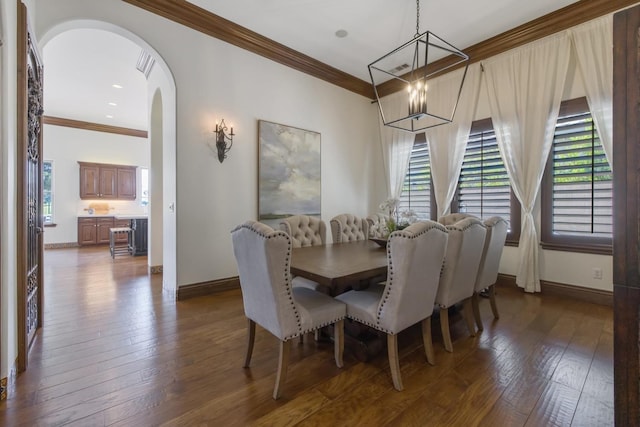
[
  {"x": 202, "y": 20},
  {"x": 98, "y": 127},
  {"x": 192, "y": 16}
]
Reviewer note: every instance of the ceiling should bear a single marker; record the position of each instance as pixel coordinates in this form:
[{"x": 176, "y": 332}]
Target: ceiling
[{"x": 82, "y": 65}]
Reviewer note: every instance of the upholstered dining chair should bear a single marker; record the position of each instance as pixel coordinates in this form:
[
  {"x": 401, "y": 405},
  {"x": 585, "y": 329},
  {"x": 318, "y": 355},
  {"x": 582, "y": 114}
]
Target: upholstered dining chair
[
  {"x": 452, "y": 218},
  {"x": 497, "y": 229},
  {"x": 414, "y": 257},
  {"x": 263, "y": 256},
  {"x": 459, "y": 271},
  {"x": 348, "y": 228},
  {"x": 378, "y": 225},
  {"x": 305, "y": 230}
]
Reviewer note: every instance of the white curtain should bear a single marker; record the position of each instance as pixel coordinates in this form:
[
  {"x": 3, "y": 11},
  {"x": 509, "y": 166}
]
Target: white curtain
[
  {"x": 396, "y": 145},
  {"x": 593, "y": 45},
  {"x": 524, "y": 88},
  {"x": 447, "y": 143}
]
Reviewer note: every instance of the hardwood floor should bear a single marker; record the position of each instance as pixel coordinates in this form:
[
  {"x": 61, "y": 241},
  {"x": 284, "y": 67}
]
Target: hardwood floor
[{"x": 116, "y": 351}]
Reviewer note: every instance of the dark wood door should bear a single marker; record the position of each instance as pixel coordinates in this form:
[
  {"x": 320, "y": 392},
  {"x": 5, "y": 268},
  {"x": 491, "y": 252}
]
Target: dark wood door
[
  {"x": 626, "y": 192},
  {"x": 87, "y": 231},
  {"x": 104, "y": 225},
  {"x": 108, "y": 180},
  {"x": 30, "y": 220},
  {"x": 127, "y": 183}
]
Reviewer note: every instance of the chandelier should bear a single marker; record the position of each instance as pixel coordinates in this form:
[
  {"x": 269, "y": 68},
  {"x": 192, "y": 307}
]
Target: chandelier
[{"x": 411, "y": 66}]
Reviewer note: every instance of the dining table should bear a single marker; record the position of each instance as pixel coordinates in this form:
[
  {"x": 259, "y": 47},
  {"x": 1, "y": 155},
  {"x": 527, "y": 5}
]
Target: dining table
[
  {"x": 338, "y": 268},
  {"x": 341, "y": 266}
]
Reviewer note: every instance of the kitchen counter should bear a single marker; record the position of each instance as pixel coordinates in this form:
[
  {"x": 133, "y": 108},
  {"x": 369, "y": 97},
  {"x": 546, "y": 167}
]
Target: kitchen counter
[{"x": 130, "y": 216}]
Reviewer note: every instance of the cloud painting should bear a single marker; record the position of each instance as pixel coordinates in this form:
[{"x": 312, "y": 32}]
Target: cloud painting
[{"x": 289, "y": 171}]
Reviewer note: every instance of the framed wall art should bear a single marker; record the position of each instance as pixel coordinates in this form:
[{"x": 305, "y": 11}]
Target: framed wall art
[{"x": 288, "y": 172}]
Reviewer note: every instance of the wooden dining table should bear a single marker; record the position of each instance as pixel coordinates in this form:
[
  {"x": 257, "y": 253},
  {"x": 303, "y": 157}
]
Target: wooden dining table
[{"x": 340, "y": 267}]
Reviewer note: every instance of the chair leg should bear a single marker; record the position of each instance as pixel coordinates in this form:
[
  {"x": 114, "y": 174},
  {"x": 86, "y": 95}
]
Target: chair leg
[
  {"x": 283, "y": 364},
  {"x": 468, "y": 316},
  {"x": 427, "y": 341},
  {"x": 444, "y": 327},
  {"x": 250, "y": 340},
  {"x": 394, "y": 363},
  {"x": 338, "y": 342},
  {"x": 475, "y": 303},
  {"x": 492, "y": 300}
]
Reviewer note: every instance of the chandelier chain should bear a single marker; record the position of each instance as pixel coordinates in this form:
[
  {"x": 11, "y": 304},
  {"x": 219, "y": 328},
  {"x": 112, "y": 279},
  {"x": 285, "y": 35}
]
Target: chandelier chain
[{"x": 417, "y": 17}]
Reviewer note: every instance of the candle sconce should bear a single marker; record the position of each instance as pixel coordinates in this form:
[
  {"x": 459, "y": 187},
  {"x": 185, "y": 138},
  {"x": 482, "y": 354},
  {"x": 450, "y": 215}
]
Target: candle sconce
[{"x": 222, "y": 138}]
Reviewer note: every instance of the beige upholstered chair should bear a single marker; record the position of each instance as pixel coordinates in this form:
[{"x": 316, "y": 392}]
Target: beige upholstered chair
[
  {"x": 414, "y": 257},
  {"x": 349, "y": 228},
  {"x": 453, "y": 218},
  {"x": 304, "y": 230},
  {"x": 489, "y": 263},
  {"x": 378, "y": 225},
  {"x": 458, "y": 277},
  {"x": 263, "y": 256}
]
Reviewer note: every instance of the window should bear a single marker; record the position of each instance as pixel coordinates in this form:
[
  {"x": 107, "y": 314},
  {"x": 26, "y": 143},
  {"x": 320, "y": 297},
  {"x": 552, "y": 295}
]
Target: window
[
  {"x": 47, "y": 191},
  {"x": 144, "y": 186},
  {"x": 577, "y": 186},
  {"x": 416, "y": 190},
  {"x": 483, "y": 187}
]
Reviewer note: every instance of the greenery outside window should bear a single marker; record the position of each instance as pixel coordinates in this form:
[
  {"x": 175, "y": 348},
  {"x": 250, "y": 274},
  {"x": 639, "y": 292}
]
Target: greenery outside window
[
  {"x": 417, "y": 189},
  {"x": 577, "y": 186},
  {"x": 483, "y": 187},
  {"x": 47, "y": 191}
]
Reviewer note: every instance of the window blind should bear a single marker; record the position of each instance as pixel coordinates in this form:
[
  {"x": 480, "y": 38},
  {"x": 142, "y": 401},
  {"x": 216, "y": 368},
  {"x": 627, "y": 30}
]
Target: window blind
[
  {"x": 483, "y": 188},
  {"x": 582, "y": 179},
  {"x": 416, "y": 190}
]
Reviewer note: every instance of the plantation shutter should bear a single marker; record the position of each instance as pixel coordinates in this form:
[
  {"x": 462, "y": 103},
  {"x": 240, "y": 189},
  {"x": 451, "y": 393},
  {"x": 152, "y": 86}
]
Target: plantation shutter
[
  {"x": 582, "y": 178},
  {"x": 416, "y": 190},
  {"x": 483, "y": 188}
]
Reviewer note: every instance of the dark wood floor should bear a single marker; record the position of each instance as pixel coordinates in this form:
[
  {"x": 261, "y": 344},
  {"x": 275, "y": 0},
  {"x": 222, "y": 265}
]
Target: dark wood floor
[{"x": 116, "y": 351}]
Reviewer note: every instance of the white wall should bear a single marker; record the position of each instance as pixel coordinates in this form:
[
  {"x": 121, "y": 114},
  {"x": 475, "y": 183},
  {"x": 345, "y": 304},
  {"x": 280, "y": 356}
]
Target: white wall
[
  {"x": 215, "y": 80},
  {"x": 66, "y": 147}
]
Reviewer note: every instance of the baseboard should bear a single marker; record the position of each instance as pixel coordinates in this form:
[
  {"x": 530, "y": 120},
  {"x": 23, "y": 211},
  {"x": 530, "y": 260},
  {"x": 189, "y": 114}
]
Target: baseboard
[
  {"x": 61, "y": 245},
  {"x": 595, "y": 296},
  {"x": 207, "y": 288},
  {"x": 155, "y": 269}
]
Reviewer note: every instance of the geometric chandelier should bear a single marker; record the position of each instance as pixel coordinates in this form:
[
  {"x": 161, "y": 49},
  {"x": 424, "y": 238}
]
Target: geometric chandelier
[{"x": 412, "y": 65}]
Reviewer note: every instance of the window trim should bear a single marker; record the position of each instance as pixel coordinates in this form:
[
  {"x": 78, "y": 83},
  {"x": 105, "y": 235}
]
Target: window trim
[
  {"x": 515, "y": 221},
  {"x": 564, "y": 242}
]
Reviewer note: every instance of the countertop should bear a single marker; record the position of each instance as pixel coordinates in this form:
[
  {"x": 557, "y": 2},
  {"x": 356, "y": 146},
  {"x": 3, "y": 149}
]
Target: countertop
[{"x": 114, "y": 215}]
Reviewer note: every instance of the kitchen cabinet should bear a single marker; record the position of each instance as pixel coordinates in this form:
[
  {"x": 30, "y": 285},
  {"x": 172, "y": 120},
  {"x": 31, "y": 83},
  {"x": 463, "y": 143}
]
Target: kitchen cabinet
[
  {"x": 95, "y": 231},
  {"x": 105, "y": 181}
]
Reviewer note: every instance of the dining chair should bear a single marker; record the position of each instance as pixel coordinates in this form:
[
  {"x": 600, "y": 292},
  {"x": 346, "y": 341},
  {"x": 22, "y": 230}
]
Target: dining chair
[
  {"x": 459, "y": 271},
  {"x": 348, "y": 228},
  {"x": 378, "y": 225},
  {"x": 453, "y": 218},
  {"x": 414, "y": 258},
  {"x": 305, "y": 230},
  {"x": 497, "y": 229},
  {"x": 263, "y": 256}
]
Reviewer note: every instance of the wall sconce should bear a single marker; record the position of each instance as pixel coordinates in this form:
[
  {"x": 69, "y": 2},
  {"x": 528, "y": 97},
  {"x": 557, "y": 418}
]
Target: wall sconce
[{"x": 222, "y": 137}]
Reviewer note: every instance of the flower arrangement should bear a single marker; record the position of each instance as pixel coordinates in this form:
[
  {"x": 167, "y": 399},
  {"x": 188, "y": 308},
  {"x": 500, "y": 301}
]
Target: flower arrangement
[{"x": 397, "y": 220}]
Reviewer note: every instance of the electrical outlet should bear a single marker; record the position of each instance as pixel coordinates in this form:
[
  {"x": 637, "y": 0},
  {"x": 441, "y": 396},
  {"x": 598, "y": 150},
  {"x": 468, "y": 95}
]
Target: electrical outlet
[{"x": 597, "y": 273}]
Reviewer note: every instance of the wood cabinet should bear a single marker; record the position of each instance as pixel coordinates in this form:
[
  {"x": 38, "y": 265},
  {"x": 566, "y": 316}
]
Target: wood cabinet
[
  {"x": 87, "y": 231},
  {"x": 95, "y": 231},
  {"x": 104, "y": 181}
]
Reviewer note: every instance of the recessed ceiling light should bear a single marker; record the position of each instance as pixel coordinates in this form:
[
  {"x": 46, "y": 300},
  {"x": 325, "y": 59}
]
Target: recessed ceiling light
[
  {"x": 341, "y": 34},
  {"x": 117, "y": 86},
  {"x": 113, "y": 104},
  {"x": 109, "y": 116}
]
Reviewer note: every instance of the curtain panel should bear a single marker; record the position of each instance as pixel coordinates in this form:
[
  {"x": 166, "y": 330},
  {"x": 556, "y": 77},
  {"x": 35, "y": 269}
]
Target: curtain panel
[
  {"x": 524, "y": 88},
  {"x": 593, "y": 46},
  {"x": 396, "y": 146},
  {"x": 447, "y": 143}
]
